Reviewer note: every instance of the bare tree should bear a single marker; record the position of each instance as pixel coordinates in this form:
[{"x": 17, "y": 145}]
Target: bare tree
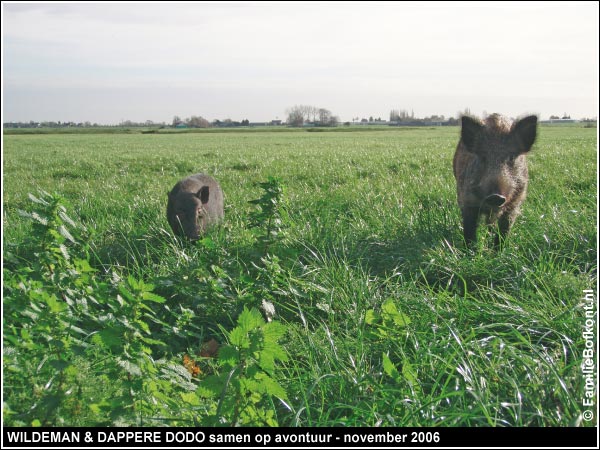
[
  {"x": 324, "y": 116},
  {"x": 295, "y": 116},
  {"x": 312, "y": 112},
  {"x": 327, "y": 119}
]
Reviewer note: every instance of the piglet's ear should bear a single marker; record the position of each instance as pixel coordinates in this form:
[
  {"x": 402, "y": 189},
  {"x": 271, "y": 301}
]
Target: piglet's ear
[
  {"x": 524, "y": 132},
  {"x": 202, "y": 194},
  {"x": 470, "y": 131}
]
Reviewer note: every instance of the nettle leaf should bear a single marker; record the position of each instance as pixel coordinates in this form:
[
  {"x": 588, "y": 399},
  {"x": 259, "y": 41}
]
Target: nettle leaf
[
  {"x": 108, "y": 338},
  {"x": 66, "y": 234},
  {"x": 229, "y": 355},
  {"x": 211, "y": 386},
  {"x": 133, "y": 283},
  {"x": 62, "y": 213},
  {"x": 250, "y": 319},
  {"x": 56, "y": 306},
  {"x": 277, "y": 351},
  {"x": 175, "y": 372},
  {"x": 143, "y": 326},
  {"x": 191, "y": 398},
  {"x": 389, "y": 368},
  {"x": 390, "y": 311},
  {"x": 147, "y": 287},
  {"x": 203, "y": 391},
  {"x": 238, "y": 338},
  {"x": 56, "y": 236},
  {"x": 147, "y": 308},
  {"x": 125, "y": 293},
  {"x": 97, "y": 408},
  {"x": 273, "y": 331},
  {"x": 251, "y": 385},
  {"x": 83, "y": 266},
  {"x": 267, "y": 361},
  {"x": 389, "y": 307},
  {"x": 151, "y": 341},
  {"x": 139, "y": 285},
  {"x": 270, "y": 386},
  {"x": 129, "y": 367},
  {"x": 410, "y": 374},
  {"x": 34, "y": 216},
  {"x": 153, "y": 297},
  {"x": 25, "y": 335},
  {"x": 371, "y": 317},
  {"x": 39, "y": 201},
  {"x": 64, "y": 252}
]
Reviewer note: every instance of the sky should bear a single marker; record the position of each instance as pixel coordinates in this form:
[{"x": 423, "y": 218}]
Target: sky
[{"x": 109, "y": 62}]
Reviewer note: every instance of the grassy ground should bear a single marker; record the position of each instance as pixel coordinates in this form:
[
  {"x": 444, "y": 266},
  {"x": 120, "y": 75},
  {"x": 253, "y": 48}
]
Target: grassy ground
[{"x": 389, "y": 320}]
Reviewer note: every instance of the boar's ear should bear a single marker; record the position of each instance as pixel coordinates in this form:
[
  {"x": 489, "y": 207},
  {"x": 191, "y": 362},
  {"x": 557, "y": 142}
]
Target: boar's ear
[
  {"x": 202, "y": 194},
  {"x": 470, "y": 130},
  {"x": 524, "y": 132}
]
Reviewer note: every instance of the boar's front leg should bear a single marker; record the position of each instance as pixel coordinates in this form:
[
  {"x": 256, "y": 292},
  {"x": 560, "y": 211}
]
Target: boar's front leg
[
  {"x": 504, "y": 223},
  {"x": 470, "y": 218}
]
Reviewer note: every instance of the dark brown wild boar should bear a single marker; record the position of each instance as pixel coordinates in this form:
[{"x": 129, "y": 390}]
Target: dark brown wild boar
[
  {"x": 195, "y": 203},
  {"x": 490, "y": 167}
]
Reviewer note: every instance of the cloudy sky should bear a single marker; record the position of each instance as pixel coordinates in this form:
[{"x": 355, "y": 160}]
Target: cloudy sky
[{"x": 109, "y": 62}]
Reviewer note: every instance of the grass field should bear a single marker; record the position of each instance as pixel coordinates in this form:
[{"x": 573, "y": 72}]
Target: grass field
[{"x": 382, "y": 317}]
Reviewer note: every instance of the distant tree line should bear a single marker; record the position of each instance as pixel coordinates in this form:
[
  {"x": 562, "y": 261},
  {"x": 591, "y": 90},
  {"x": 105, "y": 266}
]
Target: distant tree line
[
  {"x": 191, "y": 122},
  {"x": 87, "y": 124},
  {"x": 301, "y": 115},
  {"x": 297, "y": 116},
  {"x": 227, "y": 123},
  {"x": 201, "y": 122},
  {"x": 402, "y": 117},
  {"x": 49, "y": 124}
]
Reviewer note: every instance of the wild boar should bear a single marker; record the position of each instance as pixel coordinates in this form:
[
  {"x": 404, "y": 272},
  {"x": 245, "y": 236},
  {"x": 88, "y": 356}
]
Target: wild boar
[
  {"x": 195, "y": 203},
  {"x": 490, "y": 167}
]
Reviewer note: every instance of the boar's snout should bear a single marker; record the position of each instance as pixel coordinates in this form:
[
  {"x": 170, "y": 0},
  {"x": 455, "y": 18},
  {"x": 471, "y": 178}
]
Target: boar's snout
[
  {"x": 495, "y": 200},
  {"x": 192, "y": 233},
  {"x": 187, "y": 223}
]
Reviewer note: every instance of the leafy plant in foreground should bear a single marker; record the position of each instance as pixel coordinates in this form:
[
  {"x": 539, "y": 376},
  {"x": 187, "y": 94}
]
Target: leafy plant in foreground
[
  {"x": 47, "y": 299},
  {"x": 385, "y": 325},
  {"x": 246, "y": 383},
  {"x": 270, "y": 216},
  {"x": 59, "y": 315}
]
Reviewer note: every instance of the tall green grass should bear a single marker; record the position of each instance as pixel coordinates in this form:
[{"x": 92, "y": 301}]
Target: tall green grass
[{"x": 389, "y": 320}]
